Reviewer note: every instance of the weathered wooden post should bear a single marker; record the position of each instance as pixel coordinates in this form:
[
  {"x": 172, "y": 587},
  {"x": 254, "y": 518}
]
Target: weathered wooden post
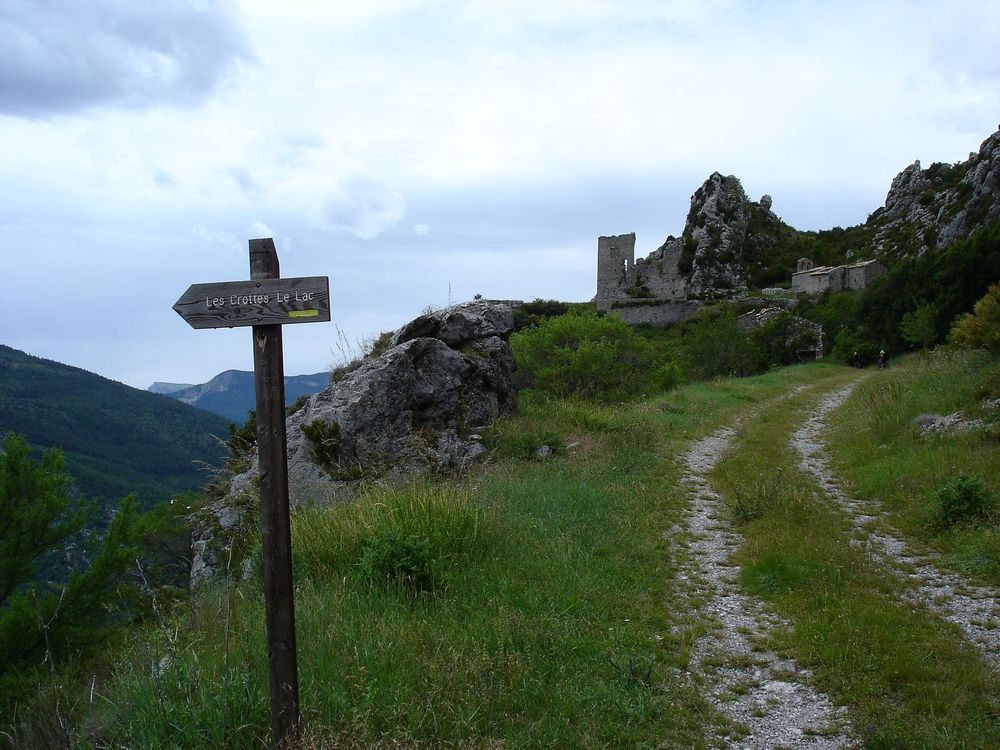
[
  {"x": 275, "y": 525},
  {"x": 267, "y": 302}
]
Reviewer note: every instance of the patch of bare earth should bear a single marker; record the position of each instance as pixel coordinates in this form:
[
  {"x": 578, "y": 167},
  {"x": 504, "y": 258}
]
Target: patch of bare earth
[
  {"x": 769, "y": 700},
  {"x": 972, "y": 607}
]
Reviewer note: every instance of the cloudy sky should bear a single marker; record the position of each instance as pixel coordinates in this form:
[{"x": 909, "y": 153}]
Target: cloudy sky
[{"x": 420, "y": 152}]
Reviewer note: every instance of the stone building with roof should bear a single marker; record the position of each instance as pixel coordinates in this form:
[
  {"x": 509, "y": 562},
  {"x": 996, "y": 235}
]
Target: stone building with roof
[{"x": 810, "y": 279}]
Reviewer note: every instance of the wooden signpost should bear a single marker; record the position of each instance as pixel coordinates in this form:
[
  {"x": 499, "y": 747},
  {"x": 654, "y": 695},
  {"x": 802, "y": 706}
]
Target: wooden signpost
[{"x": 266, "y": 302}]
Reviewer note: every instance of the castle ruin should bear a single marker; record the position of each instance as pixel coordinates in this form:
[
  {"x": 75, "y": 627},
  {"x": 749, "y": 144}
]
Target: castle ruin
[
  {"x": 621, "y": 278},
  {"x": 615, "y": 266}
]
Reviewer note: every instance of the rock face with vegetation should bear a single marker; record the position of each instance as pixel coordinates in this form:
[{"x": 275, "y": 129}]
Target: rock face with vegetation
[
  {"x": 727, "y": 236},
  {"x": 931, "y": 208},
  {"x": 730, "y": 243},
  {"x": 416, "y": 408}
]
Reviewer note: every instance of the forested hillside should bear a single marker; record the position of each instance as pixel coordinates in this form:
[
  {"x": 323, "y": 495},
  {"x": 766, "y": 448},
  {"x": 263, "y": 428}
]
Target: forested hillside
[{"x": 116, "y": 439}]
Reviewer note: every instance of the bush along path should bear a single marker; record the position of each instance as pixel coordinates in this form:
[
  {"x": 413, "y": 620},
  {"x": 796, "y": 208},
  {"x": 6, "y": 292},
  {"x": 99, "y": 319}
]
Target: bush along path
[{"x": 972, "y": 607}]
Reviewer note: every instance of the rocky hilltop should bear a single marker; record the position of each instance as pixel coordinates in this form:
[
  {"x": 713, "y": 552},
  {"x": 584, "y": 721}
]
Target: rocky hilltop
[
  {"x": 730, "y": 243},
  {"x": 931, "y": 208},
  {"x": 727, "y": 236}
]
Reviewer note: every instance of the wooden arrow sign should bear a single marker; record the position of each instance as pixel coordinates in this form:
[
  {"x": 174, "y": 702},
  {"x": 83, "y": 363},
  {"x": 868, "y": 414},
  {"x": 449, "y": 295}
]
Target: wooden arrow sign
[
  {"x": 260, "y": 302},
  {"x": 266, "y": 302}
]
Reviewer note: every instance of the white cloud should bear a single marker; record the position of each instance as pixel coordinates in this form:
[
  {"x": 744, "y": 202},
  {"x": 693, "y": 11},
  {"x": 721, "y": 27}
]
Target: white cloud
[
  {"x": 364, "y": 208},
  {"x": 216, "y": 237},
  {"x": 62, "y": 56},
  {"x": 260, "y": 229},
  {"x": 421, "y": 229}
]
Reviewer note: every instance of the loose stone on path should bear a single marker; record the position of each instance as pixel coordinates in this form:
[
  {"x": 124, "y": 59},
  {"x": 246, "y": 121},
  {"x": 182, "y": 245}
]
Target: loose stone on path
[
  {"x": 769, "y": 699},
  {"x": 973, "y": 608}
]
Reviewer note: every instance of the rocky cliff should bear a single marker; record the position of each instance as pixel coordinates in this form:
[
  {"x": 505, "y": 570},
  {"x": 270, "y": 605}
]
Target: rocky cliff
[
  {"x": 727, "y": 236},
  {"x": 931, "y": 208},
  {"x": 730, "y": 243}
]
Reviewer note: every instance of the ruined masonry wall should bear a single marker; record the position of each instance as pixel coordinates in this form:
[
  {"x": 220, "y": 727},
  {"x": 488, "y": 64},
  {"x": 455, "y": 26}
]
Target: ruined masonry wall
[
  {"x": 615, "y": 262},
  {"x": 659, "y": 273},
  {"x": 660, "y": 314}
]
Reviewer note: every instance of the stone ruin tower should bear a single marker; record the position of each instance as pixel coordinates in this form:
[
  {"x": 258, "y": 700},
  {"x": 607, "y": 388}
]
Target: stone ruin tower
[{"x": 615, "y": 264}]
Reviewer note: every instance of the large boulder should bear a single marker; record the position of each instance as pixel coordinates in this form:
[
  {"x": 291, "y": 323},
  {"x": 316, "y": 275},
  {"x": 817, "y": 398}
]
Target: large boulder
[
  {"x": 460, "y": 324},
  {"x": 419, "y": 407}
]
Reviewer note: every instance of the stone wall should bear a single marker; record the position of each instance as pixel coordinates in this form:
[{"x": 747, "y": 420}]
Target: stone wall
[
  {"x": 615, "y": 261},
  {"x": 622, "y": 277},
  {"x": 855, "y": 276},
  {"x": 654, "y": 313},
  {"x": 659, "y": 273}
]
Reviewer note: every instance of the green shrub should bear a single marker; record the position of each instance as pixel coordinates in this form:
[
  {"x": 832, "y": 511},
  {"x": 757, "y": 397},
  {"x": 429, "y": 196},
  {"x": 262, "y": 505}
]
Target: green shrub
[
  {"x": 778, "y": 341},
  {"x": 667, "y": 376},
  {"x": 964, "y": 501},
  {"x": 324, "y": 439},
  {"x": 919, "y": 326},
  {"x": 402, "y": 560},
  {"x": 980, "y": 329},
  {"x": 545, "y": 308},
  {"x": 639, "y": 292},
  {"x": 586, "y": 355},
  {"x": 710, "y": 344},
  {"x": 243, "y": 438}
]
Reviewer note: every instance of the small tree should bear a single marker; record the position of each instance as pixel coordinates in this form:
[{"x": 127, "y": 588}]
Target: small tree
[
  {"x": 778, "y": 342},
  {"x": 920, "y": 327},
  {"x": 980, "y": 329},
  {"x": 36, "y": 512},
  {"x": 40, "y": 620}
]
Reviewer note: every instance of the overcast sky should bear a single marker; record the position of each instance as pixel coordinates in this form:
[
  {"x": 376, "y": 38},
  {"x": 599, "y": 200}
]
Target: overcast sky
[{"x": 422, "y": 152}]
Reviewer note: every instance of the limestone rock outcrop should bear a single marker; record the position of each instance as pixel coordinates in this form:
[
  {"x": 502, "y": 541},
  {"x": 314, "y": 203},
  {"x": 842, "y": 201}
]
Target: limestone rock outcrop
[
  {"x": 416, "y": 408},
  {"x": 727, "y": 241},
  {"x": 931, "y": 208},
  {"x": 726, "y": 235}
]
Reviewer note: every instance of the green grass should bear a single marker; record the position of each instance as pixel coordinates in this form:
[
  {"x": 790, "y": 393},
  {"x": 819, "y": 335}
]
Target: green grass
[
  {"x": 881, "y": 453},
  {"x": 529, "y": 604},
  {"x": 908, "y": 678},
  {"x": 523, "y": 606}
]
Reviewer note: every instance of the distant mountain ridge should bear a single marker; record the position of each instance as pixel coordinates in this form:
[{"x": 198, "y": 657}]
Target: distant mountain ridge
[
  {"x": 168, "y": 388},
  {"x": 116, "y": 439},
  {"x": 230, "y": 394}
]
